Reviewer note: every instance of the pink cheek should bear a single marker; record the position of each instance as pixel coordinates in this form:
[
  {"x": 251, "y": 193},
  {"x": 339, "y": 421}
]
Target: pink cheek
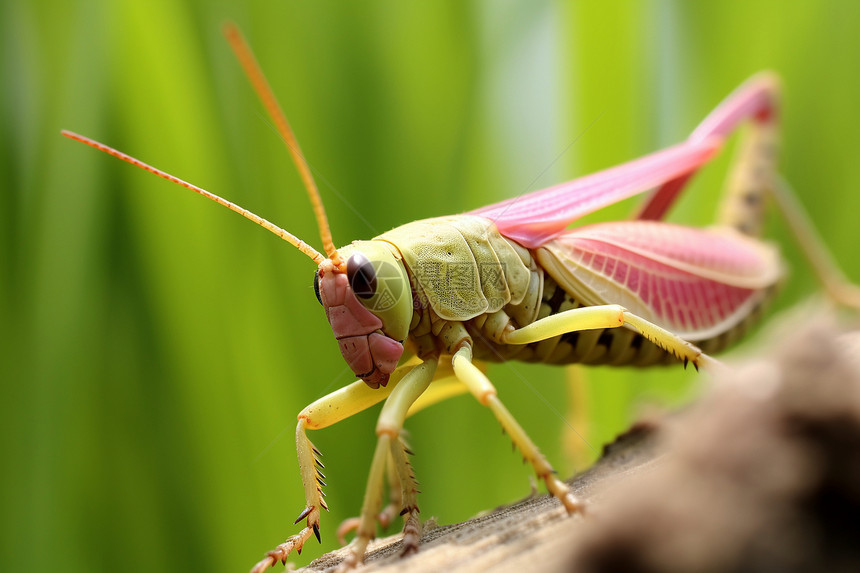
[{"x": 386, "y": 352}]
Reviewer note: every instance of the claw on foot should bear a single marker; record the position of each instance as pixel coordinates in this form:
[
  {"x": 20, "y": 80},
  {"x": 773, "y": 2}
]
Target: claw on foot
[
  {"x": 264, "y": 564},
  {"x": 305, "y": 512},
  {"x": 573, "y": 504},
  {"x": 280, "y": 553},
  {"x": 561, "y": 491}
]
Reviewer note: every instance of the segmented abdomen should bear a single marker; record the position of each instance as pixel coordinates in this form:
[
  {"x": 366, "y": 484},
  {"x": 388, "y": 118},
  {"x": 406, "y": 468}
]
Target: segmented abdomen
[{"x": 611, "y": 346}]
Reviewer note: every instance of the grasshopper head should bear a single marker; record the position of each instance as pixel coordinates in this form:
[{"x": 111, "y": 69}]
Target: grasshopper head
[{"x": 369, "y": 307}]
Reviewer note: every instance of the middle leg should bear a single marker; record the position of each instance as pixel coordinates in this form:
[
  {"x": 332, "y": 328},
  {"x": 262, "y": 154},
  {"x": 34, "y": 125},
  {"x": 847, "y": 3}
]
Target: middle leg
[
  {"x": 402, "y": 485},
  {"x": 388, "y": 430}
]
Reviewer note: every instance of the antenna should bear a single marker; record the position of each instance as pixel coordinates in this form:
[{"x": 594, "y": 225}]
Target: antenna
[
  {"x": 285, "y": 235},
  {"x": 264, "y": 92}
]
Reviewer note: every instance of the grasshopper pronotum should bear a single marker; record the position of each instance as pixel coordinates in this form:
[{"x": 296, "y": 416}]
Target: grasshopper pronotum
[{"x": 415, "y": 308}]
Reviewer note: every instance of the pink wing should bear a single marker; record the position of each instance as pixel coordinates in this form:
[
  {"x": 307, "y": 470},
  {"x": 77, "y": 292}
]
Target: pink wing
[
  {"x": 694, "y": 282},
  {"x": 534, "y": 218},
  {"x": 755, "y": 99}
]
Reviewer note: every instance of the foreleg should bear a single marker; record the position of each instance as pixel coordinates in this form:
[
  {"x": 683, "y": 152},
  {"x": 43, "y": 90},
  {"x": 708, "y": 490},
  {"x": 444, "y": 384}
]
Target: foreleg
[{"x": 326, "y": 411}]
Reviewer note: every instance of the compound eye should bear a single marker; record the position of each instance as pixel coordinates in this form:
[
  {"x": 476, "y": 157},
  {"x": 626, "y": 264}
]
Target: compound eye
[
  {"x": 317, "y": 286},
  {"x": 361, "y": 275}
]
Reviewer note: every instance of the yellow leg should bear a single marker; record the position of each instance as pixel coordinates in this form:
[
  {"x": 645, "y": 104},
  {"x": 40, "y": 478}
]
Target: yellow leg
[
  {"x": 388, "y": 428},
  {"x": 445, "y": 385},
  {"x": 750, "y": 178},
  {"x": 326, "y": 411},
  {"x": 481, "y": 387},
  {"x": 388, "y": 513},
  {"x": 402, "y": 499},
  {"x": 609, "y": 316}
]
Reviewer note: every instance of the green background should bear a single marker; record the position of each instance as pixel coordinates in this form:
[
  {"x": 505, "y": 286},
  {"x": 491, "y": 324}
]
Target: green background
[{"x": 155, "y": 348}]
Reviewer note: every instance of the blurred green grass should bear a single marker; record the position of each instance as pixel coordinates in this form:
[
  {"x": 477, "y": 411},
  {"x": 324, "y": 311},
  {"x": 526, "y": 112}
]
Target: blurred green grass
[{"x": 155, "y": 349}]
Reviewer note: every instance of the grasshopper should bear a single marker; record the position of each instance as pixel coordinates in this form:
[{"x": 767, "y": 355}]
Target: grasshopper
[{"x": 417, "y": 309}]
